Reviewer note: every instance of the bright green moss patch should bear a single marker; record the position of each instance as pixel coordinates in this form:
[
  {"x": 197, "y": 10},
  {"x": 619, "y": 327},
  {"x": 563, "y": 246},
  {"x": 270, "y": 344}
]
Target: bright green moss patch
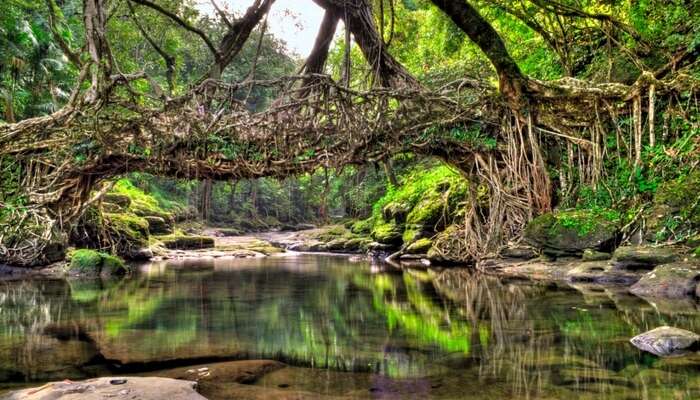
[
  {"x": 93, "y": 262},
  {"x": 85, "y": 260},
  {"x": 420, "y": 246},
  {"x": 387, "y": 233},
  {"x": 363, "y": 226},
  {"x": 584, "y": 221}
]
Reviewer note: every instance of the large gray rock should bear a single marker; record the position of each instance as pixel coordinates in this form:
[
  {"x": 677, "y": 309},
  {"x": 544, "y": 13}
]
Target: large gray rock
[
  {"x": 671, "y": 281},
  {"x": 667, "y": 341},
  {"x": 134, "y": 388}
]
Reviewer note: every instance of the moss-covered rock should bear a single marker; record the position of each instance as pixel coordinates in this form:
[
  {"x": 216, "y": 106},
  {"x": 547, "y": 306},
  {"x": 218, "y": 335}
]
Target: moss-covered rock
[
  {"x": 387, "y": 233},
  {"x": 118, "y": 199},
  {"x": 429, "y": 210},
  {"x": 89, "y": 262},
  {"x": 357, "y": 245},
  {"x": 158, "y": 226},
  {"x": 420, "y": 246},
  {"x": 186, "y": 242},
  {"x": 396, "y": 211},
  {"x": 362, "y": 227},
  {"x": 129, "y": 229},
  {"x": 85, "y": 261},
  {"x": 567, "y": 233},
  {"x": 336, "y": 244}
]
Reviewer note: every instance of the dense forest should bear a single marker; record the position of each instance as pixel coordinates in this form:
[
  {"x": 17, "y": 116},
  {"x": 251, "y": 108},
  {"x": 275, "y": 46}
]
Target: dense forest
[{"x": 480, "y": 115}]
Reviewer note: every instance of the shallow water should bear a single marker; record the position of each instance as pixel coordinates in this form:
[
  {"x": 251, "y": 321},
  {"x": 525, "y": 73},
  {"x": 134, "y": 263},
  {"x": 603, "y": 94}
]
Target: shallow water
[{"x": 367, "y": 330}]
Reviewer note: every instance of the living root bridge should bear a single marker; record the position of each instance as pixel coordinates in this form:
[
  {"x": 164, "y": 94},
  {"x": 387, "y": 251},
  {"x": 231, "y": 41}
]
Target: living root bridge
[{"x": 211, "y": 134}]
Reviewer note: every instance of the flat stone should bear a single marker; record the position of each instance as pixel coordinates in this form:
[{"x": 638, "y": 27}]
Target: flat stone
[
  {"x": 520, "y": 252},
  {"x": 671, "y": 281},
  {"x": 644, "y": 257},
  {"x": 601, "y": 272},
  {"x": 134, "y": 388},
  {"x": 667, "y": 341}
]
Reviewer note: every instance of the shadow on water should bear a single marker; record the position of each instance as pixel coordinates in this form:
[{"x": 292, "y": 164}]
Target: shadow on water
[{"x": 430, "y": 331}]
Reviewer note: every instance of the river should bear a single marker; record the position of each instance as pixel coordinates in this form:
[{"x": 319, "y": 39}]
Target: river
[{"x": 349, "y": 328}]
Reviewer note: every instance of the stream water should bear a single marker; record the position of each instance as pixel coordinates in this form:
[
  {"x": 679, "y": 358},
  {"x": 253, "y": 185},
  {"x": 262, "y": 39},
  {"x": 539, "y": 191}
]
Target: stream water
[{"x": 361, "y": 327}]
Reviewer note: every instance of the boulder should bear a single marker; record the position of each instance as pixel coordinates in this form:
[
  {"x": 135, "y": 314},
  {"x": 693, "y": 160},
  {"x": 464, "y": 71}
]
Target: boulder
[
  {"x": 356, "y": 245},
  {"x": 133, "y": 388},
  {"x": 140, "y": 254},
  {"x": 569, "y": 233},
  {"x": 601, "y": 272},
  {"x": 667, "y": 341},
  {"x": 593, "y": 255},
  {"x": 158, "y": 226},
  {"x": 644, "y": 257},
  {"x": 671, "y": 281},
  {"x": 336, "y": 244},
  {"x": 92, "y": 263}
]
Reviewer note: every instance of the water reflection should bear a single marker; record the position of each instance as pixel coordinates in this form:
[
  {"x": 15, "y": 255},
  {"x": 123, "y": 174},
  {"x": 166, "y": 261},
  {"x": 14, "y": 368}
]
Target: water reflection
[{"x": 435, "y": 329}]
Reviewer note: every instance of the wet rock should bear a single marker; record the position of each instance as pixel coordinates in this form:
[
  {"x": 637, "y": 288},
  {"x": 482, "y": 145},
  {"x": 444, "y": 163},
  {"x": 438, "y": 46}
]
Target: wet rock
[
  {"x": 644, "y": 257},
  {"x": 92, "y": 263},
  {"x": 520, "y": 252},
  {"x": 671, "y": 281},
  {"x": 140, "y": 254},
  {"x": 158, "y": 226},
  {"x": 318, "y": 247},
  {"x": 601, "y": 272},
  {"x": 593, "y": 255},
  {"x": 376, "y": 246},
  {"x": 356, "y": 245},
  {"x": 245, "y": 371},
  {"x": 133, "y": 388},
  {"x": 569, "y": 233},
  {"x": 532, "y": 269},
  {"x": 336, "y": 244},
  {"x": 667, "y": 341}
]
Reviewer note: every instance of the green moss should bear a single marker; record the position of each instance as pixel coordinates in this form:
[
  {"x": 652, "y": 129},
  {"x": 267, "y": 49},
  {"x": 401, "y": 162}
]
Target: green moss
[
  {"x": 129, "y": 227},
  {"x": 429, "y": 209},
  {"x": 387, "y": 233},
  {"x": 584, "y": 221},
  {"x": 420, "y": 246},
  {"x": 696, "y": 252},
  {"x": 186, "y": 242},
  {"x": 363, "y": 226},
  {"x": 85, "y": 260},
  {"x": 93, "y": 262}
]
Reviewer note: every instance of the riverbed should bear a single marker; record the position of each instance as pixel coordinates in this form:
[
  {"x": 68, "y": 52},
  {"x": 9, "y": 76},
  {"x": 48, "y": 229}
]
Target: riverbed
[{"x": 352, "y": 328}]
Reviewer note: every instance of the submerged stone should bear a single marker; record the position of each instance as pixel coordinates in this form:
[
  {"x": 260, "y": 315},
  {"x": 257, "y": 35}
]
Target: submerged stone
[{"x": 666, "y": 341}]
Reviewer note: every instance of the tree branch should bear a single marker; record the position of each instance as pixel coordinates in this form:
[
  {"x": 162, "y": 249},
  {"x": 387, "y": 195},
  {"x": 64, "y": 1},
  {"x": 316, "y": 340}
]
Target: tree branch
[{"x": 182, "y": 23}]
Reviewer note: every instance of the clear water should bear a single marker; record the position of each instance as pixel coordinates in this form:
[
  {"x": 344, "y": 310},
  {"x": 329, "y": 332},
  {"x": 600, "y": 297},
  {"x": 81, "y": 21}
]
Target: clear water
[{"x": 367, "y": 330}]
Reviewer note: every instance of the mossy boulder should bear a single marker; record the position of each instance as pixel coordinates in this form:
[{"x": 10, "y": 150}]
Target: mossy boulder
[
  {"x": 428, "y": 211},
  {"x": 128, "y": 228},
  {"x": 186, "y": 242},
  {"x": 569, "y": 233},
  {"x": 89, "y": 262},
  {"x": 671, "y": 281},
  {"x": 387, "y": 233},
  {"x": 357, "y": 245},
  {"x": 336, "y": 244},
  {"x": 420, "y": 246},
  {"x": 158, "y": 226}
]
